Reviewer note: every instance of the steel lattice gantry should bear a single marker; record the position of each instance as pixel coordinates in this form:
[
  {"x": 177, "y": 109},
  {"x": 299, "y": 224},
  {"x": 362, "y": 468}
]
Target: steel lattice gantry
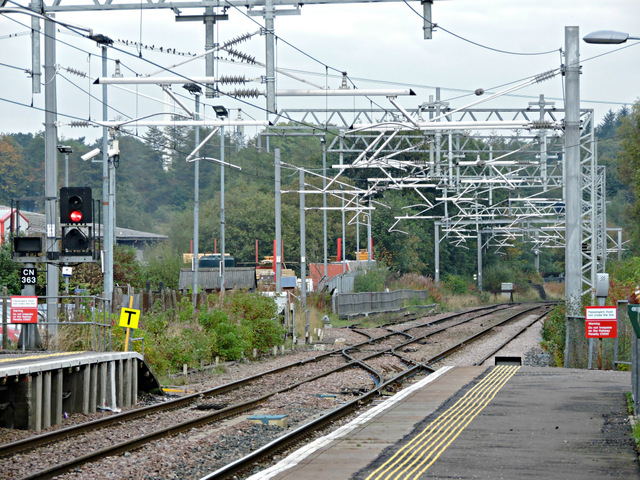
[{"x": 486, "y": 175}]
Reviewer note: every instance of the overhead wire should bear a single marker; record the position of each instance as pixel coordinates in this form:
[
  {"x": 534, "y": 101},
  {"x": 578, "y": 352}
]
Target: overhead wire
[{"x": 507, "y": 52}]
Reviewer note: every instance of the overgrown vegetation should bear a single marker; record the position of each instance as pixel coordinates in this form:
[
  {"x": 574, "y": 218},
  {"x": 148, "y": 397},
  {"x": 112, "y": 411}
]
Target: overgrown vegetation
[
  {"x": 554, "y": 334},
  {"x": 228, "y": 327}
]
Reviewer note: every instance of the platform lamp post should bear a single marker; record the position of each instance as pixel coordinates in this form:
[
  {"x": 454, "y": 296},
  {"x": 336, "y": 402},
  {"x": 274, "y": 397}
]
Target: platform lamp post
[
  {"x": 195, "y": 90},
  {"x": 221, "y": 112},
  {"x": 609, "y": 37}
]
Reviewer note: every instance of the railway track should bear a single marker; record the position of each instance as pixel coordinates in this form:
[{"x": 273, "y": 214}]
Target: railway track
[{"x": 391, "y": 342}]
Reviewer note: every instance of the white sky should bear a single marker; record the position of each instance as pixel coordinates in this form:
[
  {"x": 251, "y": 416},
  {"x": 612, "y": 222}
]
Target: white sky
[{"x": 379, "y": 45}]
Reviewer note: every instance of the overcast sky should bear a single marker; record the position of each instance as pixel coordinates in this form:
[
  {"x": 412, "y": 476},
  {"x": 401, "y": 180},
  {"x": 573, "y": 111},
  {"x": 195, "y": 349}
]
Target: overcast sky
[{"x": 378, "y": 45}]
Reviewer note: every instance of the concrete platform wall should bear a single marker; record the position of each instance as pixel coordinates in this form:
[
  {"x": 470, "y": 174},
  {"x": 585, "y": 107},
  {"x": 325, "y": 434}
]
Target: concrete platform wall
[{"x": 37, "y": 395}]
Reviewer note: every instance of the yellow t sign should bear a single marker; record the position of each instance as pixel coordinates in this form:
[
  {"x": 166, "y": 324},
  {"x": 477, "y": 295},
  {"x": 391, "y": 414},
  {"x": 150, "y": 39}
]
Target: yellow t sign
[{"x": 129, "y": 318}]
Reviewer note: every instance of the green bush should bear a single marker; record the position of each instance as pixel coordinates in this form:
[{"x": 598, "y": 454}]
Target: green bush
[
  {"x": 373, "y": 280},
  {"x": 229, "y": 343},
  {"x": 456, "y": 284},
  {"x": 495, "y": 275},
  {"x": 239, "y": 322},
  {"x": 554, "y": 334}
]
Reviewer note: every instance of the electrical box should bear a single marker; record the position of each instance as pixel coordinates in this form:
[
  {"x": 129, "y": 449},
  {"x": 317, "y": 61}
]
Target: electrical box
[{"x": 602, "y": 285}]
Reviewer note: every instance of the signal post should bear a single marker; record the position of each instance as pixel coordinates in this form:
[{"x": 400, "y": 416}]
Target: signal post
[{"x": 78, "y": 244}]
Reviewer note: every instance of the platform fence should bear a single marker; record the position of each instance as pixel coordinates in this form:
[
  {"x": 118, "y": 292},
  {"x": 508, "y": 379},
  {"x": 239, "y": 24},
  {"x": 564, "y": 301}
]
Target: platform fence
[
  {"x": 350, "y": 304},
  {"x": 81, "y": 321}
]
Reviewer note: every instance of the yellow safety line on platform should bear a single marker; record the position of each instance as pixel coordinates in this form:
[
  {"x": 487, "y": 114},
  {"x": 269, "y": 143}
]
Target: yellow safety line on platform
[
  {"x": 32, "y": 357},
  {"x": 414, "y": 458}
]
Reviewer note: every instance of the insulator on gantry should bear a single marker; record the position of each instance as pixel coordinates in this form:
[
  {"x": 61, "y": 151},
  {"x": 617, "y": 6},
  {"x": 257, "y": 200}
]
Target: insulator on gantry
[
  {"x": 545, "y": 76},
  {"x": 242, "y": 56},
  {"x": 80, "y": 123},
  {"x": 235, "y": 41},
  {"x": 76, "y": 72},
  {"x": 232, "y": 79},
  {"x": 542, "y": 125},
  {"x": 246, "y": 92}
]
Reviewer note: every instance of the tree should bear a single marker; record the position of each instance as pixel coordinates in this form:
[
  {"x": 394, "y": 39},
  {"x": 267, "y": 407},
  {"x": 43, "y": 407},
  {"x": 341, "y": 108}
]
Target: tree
[
  {"x": 9, "y": 271},
  {"x": 629, "y": 169},
  {"x": 12, "y": 170}
]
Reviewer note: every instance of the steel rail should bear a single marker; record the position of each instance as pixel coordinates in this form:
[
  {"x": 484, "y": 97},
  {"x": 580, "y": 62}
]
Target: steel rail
[
  {"x": 282, "y": 443},
  {"x": 520, "y": 332},
  {"x": 216, "y": 416}
]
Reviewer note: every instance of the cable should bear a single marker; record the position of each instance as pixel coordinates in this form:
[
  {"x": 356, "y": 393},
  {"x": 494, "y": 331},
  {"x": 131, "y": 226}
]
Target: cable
[
  {"x": 327, "y": 67},
  {"x": 609, "y": 52},
  {"x": 25, "y": 70},
  {"x": 475, "y": 43},
  {"x": 92, "y": 96}
]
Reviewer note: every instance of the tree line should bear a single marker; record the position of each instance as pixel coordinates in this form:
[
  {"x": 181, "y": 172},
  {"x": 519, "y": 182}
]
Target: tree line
[{"x": 155, "y": 189}]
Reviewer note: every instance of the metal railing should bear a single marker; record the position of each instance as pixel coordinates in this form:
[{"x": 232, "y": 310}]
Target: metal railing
[
  {"x": 75, "y": 314},
  {"x": 347, "y": 304},
  {"x": 343, "y": 283}
]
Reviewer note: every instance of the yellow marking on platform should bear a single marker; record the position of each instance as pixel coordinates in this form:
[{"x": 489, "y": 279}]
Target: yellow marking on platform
[
  {"x": 414, "y": 458},
  {"x": 38, "y": 357}
]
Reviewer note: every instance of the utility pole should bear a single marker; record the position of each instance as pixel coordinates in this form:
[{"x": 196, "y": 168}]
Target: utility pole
[
  {"x": 51, "y": 175},
  {"x": 303, "y": 254},
  {"x": 196, "y": 201},
  {"x": 573, "y": 214},
  {"x": 222, "y": 214},
  {"x": 323, "y": 140},
  {"x": 107, "y": 233},
  {"x": 278, "y": 251}
]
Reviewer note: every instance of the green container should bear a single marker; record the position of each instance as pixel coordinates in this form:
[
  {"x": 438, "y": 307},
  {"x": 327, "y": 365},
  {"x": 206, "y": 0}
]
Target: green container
[{"x": 634, "y": 313}]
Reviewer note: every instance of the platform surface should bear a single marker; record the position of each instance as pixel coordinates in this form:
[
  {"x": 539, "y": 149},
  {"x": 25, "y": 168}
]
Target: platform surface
[
  {"x": 541, "y": 423},
  {"x": 27, "y": 363}
]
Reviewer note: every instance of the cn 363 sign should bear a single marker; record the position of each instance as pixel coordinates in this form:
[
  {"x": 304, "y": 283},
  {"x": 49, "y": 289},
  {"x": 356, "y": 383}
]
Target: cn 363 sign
[{"x": 28, "y": 276}]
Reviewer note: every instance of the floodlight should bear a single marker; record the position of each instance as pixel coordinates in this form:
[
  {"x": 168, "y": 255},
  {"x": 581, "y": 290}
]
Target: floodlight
[
  {"x": 64, "y": 149},
  {"x": 194, "y": 89},
  {"x": 221, "y": 112}
]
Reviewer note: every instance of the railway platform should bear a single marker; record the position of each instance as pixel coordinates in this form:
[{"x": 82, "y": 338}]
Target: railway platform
[
  {"x": 36, "y": 389},
  {"x": 502, "y": 422}
]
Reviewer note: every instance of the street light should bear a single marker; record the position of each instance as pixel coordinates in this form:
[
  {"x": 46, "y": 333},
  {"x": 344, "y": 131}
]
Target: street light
[
  {"x": 195, "y": 90},
  {"x": 608, "y": 37}
]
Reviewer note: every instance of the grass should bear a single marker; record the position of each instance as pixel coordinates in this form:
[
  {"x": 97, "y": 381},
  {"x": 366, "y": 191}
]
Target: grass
[{"x": 635, "y": 424}]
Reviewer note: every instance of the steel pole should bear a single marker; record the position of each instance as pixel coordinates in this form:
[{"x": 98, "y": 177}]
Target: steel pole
[
  {"x": 196, "y": 204},
  {"x": 573, "y": 216},
  {"x": 107, "y": 235},
  {"x": 222, "y": 217},
  {"x": 269, "y": 16},
  {"x": 369, "y": 246},
  {"x": 479, "y": 259},
  {"x": 278, "y": 251},
  {"x": 358, "y": 214},
  {"x": 436, "y": 248},
  {"x": 36, "y": 73},
  {"x": 303, "y": 249},
  {"x": 51, "y": 173},
  {"x": 324, "y": 205},
  {"x": 209, "y": 44}
]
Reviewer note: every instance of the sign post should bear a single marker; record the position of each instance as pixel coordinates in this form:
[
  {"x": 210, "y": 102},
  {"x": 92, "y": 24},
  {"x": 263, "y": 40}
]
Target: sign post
[
  {"x": 601, "y": 322},
  {"x": 24, "y": 310},
  {"x": 129, "y": 319}
]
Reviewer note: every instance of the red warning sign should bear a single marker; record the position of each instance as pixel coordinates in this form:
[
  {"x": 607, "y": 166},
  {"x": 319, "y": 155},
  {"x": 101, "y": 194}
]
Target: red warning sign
[
  {"x": 24, "y": 309},
  {"x": 601, "y": 322}
]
